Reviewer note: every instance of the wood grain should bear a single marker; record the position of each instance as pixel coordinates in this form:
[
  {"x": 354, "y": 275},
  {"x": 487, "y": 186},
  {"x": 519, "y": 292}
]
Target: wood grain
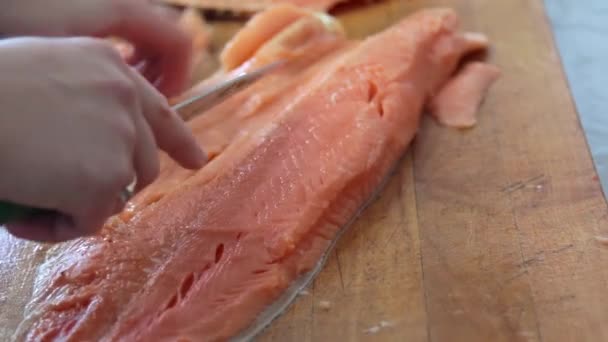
[
  {"x": 481, "y": 235},
  {"x": 361, "y": 291},
  {"x": 505, "y": 213}
]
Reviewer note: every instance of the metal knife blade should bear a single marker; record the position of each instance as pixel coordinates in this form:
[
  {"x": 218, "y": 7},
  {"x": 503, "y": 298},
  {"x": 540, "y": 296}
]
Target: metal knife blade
[{"x": 198, "y": 104}]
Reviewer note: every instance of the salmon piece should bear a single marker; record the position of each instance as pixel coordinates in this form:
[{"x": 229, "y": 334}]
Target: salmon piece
[
  {"x": 293, "y": 27},
  {"x": 267, "y": 24},
  {"x": 193, "y": 23},
  {"x": 253, "y": 6},
  {"x": 201, "y": 254},
  {"x": 457, "y": 103},
  {"x": 305, "y": 32}
]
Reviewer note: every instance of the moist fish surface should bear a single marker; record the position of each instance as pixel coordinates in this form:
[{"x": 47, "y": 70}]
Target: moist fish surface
[{"x": 197, "y": 256}]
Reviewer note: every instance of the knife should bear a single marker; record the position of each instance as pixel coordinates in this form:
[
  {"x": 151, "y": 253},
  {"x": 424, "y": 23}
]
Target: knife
[
  {"x": 187, "y": 109},
  {"x": 209, "y": 98}
]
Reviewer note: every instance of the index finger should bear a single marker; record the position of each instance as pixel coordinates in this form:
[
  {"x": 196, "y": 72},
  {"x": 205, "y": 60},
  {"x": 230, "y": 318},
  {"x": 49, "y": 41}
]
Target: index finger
[{"x": 169, "y": 130}]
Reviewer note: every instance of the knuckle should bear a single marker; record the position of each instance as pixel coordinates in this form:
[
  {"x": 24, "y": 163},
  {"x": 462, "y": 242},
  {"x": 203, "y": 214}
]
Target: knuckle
[
  {"x": 115, "y": 84},
  {"x": 99, "y": 46},
  {"x": 102, "y": 176},
  {"x": 125, "y": 128},
  {"x": 95, "y": 189},
  {"x": 101, "y": 187},
  {"x": 116, "y": 179},
  {"x": 89, "y": 175},
  {"x": 124, "y": 89}
]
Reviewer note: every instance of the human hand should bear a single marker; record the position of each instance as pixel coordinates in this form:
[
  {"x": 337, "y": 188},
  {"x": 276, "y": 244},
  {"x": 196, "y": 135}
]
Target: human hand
[
  {"x": 162, "y": 49},
  {"x": 78, "y": 125}
]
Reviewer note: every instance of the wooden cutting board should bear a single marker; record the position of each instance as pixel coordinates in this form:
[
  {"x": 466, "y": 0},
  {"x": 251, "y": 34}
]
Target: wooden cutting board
[{"x": 482, "y": 235}]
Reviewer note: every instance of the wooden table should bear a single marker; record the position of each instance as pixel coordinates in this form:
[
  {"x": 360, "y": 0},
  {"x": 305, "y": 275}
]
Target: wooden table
[{"x": 482, "y": 235}]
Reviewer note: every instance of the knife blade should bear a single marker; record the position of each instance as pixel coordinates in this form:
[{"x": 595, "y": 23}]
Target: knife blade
[
  {"x": 209, "y": 98},
  {"x": 187, "y": 109}
]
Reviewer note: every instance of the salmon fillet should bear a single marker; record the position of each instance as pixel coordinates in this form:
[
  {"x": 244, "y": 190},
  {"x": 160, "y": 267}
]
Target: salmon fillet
[
  {"x": 457, "y": 103},
  {"x": 199, "y": 255},
  {"x": 253, "y": 6}
]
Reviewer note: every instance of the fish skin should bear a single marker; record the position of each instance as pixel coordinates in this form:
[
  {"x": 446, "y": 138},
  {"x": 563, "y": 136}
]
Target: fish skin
[{"x": 200, "y": 254}]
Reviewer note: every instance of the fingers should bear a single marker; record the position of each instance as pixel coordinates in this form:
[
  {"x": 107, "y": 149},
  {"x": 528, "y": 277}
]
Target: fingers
[
  {"x": 145, "y": 160},
  {"x": 155, "y": 125},
  {"x": 170, "y": 132},
  {"x": 156, "y": 35},
  {"x": 89, "y": 217}
]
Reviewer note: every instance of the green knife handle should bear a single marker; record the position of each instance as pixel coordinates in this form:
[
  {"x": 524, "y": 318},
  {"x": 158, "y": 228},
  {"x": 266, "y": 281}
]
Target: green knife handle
[{"x": 10, "y": 212}]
